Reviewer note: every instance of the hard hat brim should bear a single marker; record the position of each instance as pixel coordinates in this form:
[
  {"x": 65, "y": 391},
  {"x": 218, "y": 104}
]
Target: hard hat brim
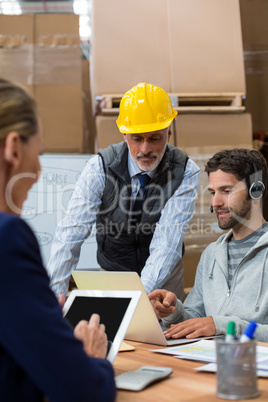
[{"x": 145, "y": 128}]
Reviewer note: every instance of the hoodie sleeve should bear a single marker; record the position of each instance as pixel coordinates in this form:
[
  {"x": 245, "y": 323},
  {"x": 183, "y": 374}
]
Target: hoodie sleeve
[
  {"x": 193, "y": 306},
  {"x": 221, "y": 322}
]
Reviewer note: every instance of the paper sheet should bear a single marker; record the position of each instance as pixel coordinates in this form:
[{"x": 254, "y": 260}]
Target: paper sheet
[
  {"x": 205, "y": 351},
  {"x": 201, "y": 351},
  {"x": 212, "y": 368},
  {"x": 125, "y": 347}
]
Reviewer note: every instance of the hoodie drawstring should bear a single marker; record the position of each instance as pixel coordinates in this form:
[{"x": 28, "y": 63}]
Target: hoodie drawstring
[{"x": 210, "y": 276}]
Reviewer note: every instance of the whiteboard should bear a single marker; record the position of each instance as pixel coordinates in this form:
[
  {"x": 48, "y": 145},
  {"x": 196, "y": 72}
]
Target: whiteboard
[{"x": 47, "y": 203}]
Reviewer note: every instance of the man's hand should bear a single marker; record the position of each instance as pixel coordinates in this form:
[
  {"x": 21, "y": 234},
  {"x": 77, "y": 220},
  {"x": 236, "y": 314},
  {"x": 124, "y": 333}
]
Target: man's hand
[
  {"x": 92, "y": 335},
  {"x": 193, "y": 328},
  {"x": 163, "y": 302}
]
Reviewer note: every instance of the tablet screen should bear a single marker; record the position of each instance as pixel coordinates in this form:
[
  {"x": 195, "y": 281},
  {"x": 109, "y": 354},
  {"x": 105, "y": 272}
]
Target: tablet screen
[{"x": 110, "y": 309}]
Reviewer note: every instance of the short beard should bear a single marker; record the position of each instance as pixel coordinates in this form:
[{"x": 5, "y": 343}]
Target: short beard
[
  {"x": 236, "y": 218},
  {"x": 229, "y": 224},
  {"x": 151, "y": 166}
]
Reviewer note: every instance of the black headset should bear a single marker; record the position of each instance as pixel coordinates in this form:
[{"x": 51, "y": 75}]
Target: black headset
[{"x": 257, "y": 188}]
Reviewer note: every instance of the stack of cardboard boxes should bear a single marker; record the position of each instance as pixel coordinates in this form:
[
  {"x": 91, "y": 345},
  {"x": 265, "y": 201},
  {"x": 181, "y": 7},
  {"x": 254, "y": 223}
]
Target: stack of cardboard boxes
[
  {"x": 194, "y": 51},
  {"x": 42, "y": 51}
]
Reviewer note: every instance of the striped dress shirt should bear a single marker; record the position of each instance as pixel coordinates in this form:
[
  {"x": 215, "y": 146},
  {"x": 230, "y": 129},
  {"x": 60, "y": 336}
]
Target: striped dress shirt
[{"x": 74, "y": 229}]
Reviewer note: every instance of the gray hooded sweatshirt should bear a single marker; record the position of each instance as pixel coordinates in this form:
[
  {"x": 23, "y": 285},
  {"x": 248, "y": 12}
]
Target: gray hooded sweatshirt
[{"x": 246, "y": 300}]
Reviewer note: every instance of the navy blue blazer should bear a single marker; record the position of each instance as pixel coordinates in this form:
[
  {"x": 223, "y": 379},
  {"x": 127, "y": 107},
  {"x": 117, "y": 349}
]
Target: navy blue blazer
[{"x": 39, "y": 356}]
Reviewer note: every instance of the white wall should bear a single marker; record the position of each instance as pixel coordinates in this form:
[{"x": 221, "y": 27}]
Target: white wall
[{"x": 48, "y": 200}]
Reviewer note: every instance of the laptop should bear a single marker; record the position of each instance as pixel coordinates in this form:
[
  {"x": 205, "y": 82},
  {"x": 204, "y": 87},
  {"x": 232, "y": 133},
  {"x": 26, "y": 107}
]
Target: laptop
[
  {"x": 115, "y": 307},
  {"x": 144, "y": 326}
]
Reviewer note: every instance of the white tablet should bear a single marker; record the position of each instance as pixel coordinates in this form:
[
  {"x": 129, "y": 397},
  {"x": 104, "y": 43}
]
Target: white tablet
[{"x": 115, "y": 308}]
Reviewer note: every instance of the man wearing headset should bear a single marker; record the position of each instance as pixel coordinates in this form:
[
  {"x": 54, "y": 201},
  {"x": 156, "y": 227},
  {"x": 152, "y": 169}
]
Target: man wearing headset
[{"x": 231, "y": 282}]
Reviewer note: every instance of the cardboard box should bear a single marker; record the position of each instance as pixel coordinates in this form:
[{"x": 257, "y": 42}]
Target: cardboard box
[
  {"x": 196, "y": 134},
  {"x": 181, "y": 46},
  {"x": 58, "y": 85},
  {"x": 62, "y": 119},
  {"x": 88, "y": 120},
  {"x": 206, "y": 52},
  {"x": 16, "y": 51},
  {"x": 107, "y": 132},
  {"x": 129, "y": 45},
  {"x": 254, "y": 22},
  {"x": 209, "y": 133},
  {"x": 255, "y": 42},
  {"x": 48, "y": 61}
]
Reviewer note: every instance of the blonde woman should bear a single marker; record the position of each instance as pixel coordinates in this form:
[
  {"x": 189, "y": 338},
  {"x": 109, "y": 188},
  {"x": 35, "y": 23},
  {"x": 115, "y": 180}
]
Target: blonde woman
[{"x": 39, "y": 355}]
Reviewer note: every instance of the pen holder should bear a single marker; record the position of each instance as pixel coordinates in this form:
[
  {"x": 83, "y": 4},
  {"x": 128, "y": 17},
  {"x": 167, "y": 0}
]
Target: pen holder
[{"x": 236, "y": 370}]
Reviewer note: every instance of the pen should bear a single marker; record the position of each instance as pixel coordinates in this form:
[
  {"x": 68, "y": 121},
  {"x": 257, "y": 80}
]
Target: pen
[
  {"x": 249, "y": 332},
  {"x": 230, "y": 333}
]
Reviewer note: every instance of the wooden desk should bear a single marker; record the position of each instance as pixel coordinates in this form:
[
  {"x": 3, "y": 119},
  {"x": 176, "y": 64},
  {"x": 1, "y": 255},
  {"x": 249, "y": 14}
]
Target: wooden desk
[{"x": 185, "y": 384}]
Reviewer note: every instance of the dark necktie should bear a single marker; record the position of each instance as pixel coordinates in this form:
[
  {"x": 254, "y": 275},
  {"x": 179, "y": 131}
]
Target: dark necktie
[{"x": 137, "y": 208}]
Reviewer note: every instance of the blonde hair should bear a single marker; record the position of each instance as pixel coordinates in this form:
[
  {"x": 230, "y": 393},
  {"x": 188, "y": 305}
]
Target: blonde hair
[{"x": 18, "y": 111}]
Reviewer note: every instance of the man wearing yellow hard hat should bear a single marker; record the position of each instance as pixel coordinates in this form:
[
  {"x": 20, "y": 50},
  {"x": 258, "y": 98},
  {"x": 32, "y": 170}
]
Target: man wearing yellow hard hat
[{"x": 141, "y": 195}]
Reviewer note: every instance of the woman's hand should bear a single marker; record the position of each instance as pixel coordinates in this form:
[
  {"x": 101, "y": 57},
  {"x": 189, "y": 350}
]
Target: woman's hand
[{"x": 92, "y": 335}]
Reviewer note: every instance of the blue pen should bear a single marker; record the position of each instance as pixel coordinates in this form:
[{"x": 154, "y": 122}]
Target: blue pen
[{"x": 249, "y": 332}]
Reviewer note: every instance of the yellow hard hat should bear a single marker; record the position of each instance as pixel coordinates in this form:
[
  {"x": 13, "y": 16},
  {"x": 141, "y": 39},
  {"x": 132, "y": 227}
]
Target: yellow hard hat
[{"x": 145, "y": 108}]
